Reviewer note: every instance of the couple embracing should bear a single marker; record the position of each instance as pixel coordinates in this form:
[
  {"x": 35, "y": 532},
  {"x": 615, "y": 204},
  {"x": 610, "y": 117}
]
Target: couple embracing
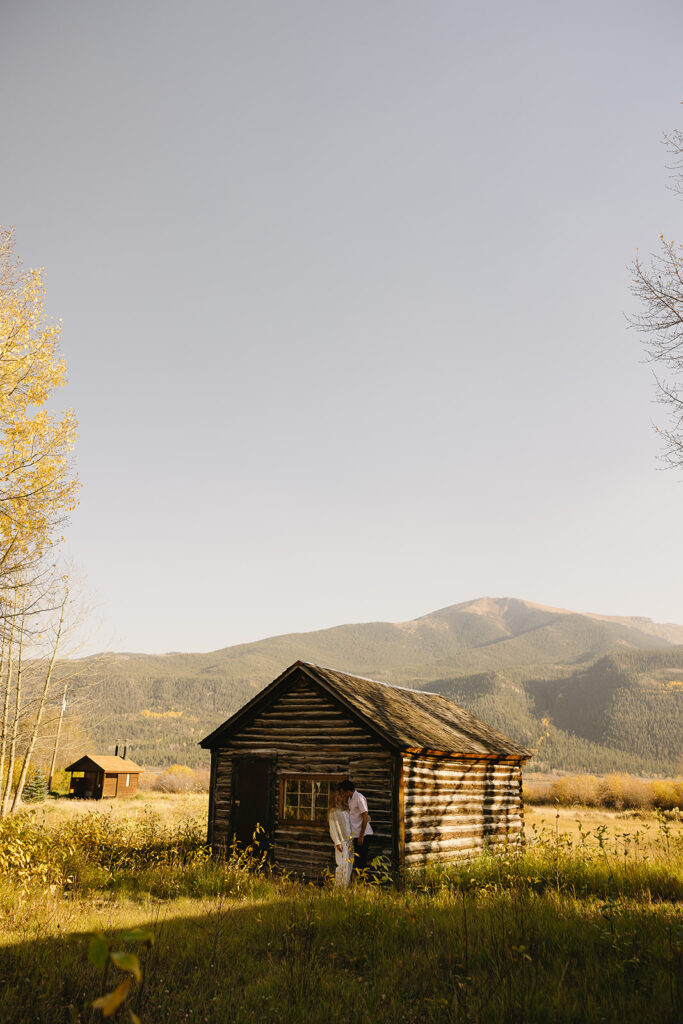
[{"x": 350, "y": 830}]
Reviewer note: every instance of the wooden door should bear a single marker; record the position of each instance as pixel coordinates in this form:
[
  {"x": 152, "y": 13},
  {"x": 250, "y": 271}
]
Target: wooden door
[
  {"x": 91, "y": 785},
  {"x": 251, "y": 797}
]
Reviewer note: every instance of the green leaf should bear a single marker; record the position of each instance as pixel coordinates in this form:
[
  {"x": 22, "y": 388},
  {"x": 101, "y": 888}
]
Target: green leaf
[
  {"x": 110, "y": 1002},
  {"x": 138, "y": 935},
  {"x": 98, "y": 951},
  {"x": 127, "y": 962}
]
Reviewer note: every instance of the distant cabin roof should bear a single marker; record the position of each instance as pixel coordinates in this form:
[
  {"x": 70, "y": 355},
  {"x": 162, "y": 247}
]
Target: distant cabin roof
[
  {"x": 410, "y": 720},
  {"x": 107, "y": 762}
]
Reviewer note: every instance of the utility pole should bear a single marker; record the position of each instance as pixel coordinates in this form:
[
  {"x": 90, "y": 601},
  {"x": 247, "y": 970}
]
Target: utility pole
[{"x": 59, "y": 729}]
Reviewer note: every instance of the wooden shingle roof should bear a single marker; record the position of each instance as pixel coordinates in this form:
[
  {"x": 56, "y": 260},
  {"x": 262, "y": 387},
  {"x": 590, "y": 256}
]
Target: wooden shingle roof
[
  {"x": 408, "y": 720},
  {"x": 107, "y": 762}
]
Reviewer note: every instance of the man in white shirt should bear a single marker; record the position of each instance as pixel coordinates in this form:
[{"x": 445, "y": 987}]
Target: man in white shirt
[{"x": 361, "y": 829}]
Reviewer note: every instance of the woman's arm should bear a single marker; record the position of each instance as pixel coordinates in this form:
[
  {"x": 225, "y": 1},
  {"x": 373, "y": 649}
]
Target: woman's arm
[{"x": 335, "y": 829}]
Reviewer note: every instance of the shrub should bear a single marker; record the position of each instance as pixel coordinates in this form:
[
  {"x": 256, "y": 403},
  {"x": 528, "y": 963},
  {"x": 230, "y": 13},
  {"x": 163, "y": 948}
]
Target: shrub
[
  {"x": 176, "y": 779},
  {"x": 60, "y": 783},
  {"x": 618, "y": 791}
]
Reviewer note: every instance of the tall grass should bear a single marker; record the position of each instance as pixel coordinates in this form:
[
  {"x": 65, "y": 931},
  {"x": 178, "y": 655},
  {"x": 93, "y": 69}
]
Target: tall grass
[
  {"x": 135, "y": 856},
  {"x": 561, "y": 929},
  {"x": 142, "y": 855}
]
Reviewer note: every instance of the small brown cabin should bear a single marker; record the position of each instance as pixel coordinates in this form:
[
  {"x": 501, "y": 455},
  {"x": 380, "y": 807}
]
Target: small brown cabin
[
  {"x": 440, "y": 784},
  {"x": 98, "y": 776}
]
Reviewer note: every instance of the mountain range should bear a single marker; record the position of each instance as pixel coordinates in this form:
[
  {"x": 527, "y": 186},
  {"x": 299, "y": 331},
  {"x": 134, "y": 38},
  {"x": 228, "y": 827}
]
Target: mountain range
[{"x": 585, "y": 691}]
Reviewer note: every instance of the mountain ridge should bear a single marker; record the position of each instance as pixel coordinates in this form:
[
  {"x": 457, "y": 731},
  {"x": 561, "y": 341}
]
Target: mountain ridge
[{"x": 509, "y": 661}]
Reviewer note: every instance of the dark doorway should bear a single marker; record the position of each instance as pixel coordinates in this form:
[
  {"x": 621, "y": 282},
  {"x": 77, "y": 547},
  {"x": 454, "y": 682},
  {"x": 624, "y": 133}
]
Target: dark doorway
[
  {"x": 91, "y": 785},
  {"x": 251, "y": 797}
]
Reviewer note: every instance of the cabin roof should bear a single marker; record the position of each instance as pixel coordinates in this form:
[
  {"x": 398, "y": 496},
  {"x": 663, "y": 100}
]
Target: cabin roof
[
  {"x": 107, "y": 762},
  {"x": 408, "y": 720}
]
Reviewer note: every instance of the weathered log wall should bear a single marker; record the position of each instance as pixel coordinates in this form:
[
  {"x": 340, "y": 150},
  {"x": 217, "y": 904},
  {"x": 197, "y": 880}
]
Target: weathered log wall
[
  {"x": 305, "y": 731},
  {"x": 453, "y": 808}
]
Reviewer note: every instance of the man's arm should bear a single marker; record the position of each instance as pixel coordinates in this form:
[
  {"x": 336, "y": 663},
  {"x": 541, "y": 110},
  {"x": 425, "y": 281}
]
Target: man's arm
[{"x": 363, "y": 825}]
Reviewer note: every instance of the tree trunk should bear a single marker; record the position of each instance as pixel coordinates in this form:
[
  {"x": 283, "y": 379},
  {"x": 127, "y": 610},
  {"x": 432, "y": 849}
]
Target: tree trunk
[
  {"x": 16, "y": 803},
  {"x": 17, "y": 713},
  {"x": 4, "y": 681}
]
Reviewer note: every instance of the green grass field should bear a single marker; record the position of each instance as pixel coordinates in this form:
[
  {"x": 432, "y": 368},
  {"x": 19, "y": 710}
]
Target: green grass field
[{"x": 585, "y": 924}]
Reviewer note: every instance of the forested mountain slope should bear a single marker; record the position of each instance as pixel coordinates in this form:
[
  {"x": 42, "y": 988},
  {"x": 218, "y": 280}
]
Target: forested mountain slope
[{"x": 587, "y": 691}]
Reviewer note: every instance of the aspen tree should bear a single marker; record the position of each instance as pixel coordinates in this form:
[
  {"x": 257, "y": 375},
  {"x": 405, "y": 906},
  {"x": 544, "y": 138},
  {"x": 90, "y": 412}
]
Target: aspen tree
[
  {"x": 37, "y": 485},
  {"x": 37, "y": 490}
]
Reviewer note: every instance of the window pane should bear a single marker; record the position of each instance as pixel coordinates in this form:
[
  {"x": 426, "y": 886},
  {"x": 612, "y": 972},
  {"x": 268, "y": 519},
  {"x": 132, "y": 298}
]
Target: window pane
[
  {"x": 306, "y": 799},
  {"x": 322, "y": 795}
]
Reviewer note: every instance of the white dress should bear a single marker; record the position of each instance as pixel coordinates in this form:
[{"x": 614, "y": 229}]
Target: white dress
[{"x": 340, "y": 833}]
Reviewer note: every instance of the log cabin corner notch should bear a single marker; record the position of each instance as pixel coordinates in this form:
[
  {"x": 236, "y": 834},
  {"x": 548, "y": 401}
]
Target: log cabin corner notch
[{"x": 441, "y": 784}]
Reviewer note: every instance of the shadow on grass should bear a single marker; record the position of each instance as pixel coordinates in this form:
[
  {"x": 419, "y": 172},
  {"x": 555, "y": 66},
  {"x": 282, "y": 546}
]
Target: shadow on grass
[{"x": 367, "y": 956}]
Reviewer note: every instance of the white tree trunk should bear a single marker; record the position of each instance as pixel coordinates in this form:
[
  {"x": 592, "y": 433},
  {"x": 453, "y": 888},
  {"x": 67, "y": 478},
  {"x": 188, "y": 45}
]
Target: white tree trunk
[
  {"x": 16, "y": 803},
  {"x": 17, "y": 715}
]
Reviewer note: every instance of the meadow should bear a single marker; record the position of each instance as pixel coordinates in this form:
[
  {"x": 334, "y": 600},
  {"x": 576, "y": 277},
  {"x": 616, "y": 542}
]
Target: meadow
[{"x": 583, "y": 923}]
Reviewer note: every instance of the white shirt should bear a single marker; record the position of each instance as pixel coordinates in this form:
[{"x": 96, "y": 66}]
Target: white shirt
[{"x": 358, "y": 805}]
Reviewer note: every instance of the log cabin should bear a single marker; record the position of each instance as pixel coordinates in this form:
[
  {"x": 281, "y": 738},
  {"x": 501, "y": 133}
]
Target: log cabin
[
  {"x": 101, "y": 776},
  {"x": 440, "y": 784}
]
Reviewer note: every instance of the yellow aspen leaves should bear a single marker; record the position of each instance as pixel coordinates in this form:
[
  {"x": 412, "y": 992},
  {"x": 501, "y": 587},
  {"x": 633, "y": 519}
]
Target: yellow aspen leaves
[
  {"x": 37, "y": 485},
  {"x": 110, "y": 1002}
]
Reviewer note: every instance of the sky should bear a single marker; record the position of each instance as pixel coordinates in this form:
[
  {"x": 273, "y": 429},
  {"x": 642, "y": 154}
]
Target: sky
[{"x": 344, "y": 290}]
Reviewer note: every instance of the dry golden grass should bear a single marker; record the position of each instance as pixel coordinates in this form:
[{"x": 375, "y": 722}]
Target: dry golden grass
[
  {"x": 574, "y": 821},
  {"x": 169, "y": 807},
  {"x": 173, "y": 808}
]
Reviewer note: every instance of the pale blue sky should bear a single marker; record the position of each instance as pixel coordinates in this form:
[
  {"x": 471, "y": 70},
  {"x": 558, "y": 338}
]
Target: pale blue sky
[{"x": 344, "y": 289}]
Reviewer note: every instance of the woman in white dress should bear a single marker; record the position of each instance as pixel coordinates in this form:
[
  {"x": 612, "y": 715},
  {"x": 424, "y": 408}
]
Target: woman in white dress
[{"x": 340, "y": 832}]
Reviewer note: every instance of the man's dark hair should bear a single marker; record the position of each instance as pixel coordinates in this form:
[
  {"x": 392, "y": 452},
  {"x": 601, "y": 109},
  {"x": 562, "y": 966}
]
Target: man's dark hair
[{"x": 347, "y": 786}]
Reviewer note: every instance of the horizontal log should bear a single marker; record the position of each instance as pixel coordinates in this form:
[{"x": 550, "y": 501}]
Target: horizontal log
[
  {"x": 303, "y": 747},
  {"x": 422, "y": 860},
  {"x": 300, "y": 706},
  {"x": 416, "y": 836},
  {"x": 440, "y": 807},
  {"x": 307, "y": 722},
  {"x": 456, "y": 843},
  {"x": 458, "y": 772},
  {"x": 440, "y": 811},
  {"x": 357, "y": 747},
  {"x": 281, "y": 716},
  {"x": 427, "y": 753},
  {"x": 428, "y": 778},
  {"x": 275, "y": 737},
  {"x": 446, "y": 787},
  {"x": 462, "y": 814},
  {"x": 455, "y": 765},
  {"x": 454, "y": 857},
  {"x": 473, "y": 798},
  {"x": 463, "y": 790}
]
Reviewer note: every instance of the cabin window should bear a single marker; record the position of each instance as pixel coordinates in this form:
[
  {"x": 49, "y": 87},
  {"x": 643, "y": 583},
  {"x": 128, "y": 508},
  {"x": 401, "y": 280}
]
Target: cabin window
[
  {"x": 306, "y": 798},
  {"x": 128, "y": 780},
  {"x": 78, "y": 775}
]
